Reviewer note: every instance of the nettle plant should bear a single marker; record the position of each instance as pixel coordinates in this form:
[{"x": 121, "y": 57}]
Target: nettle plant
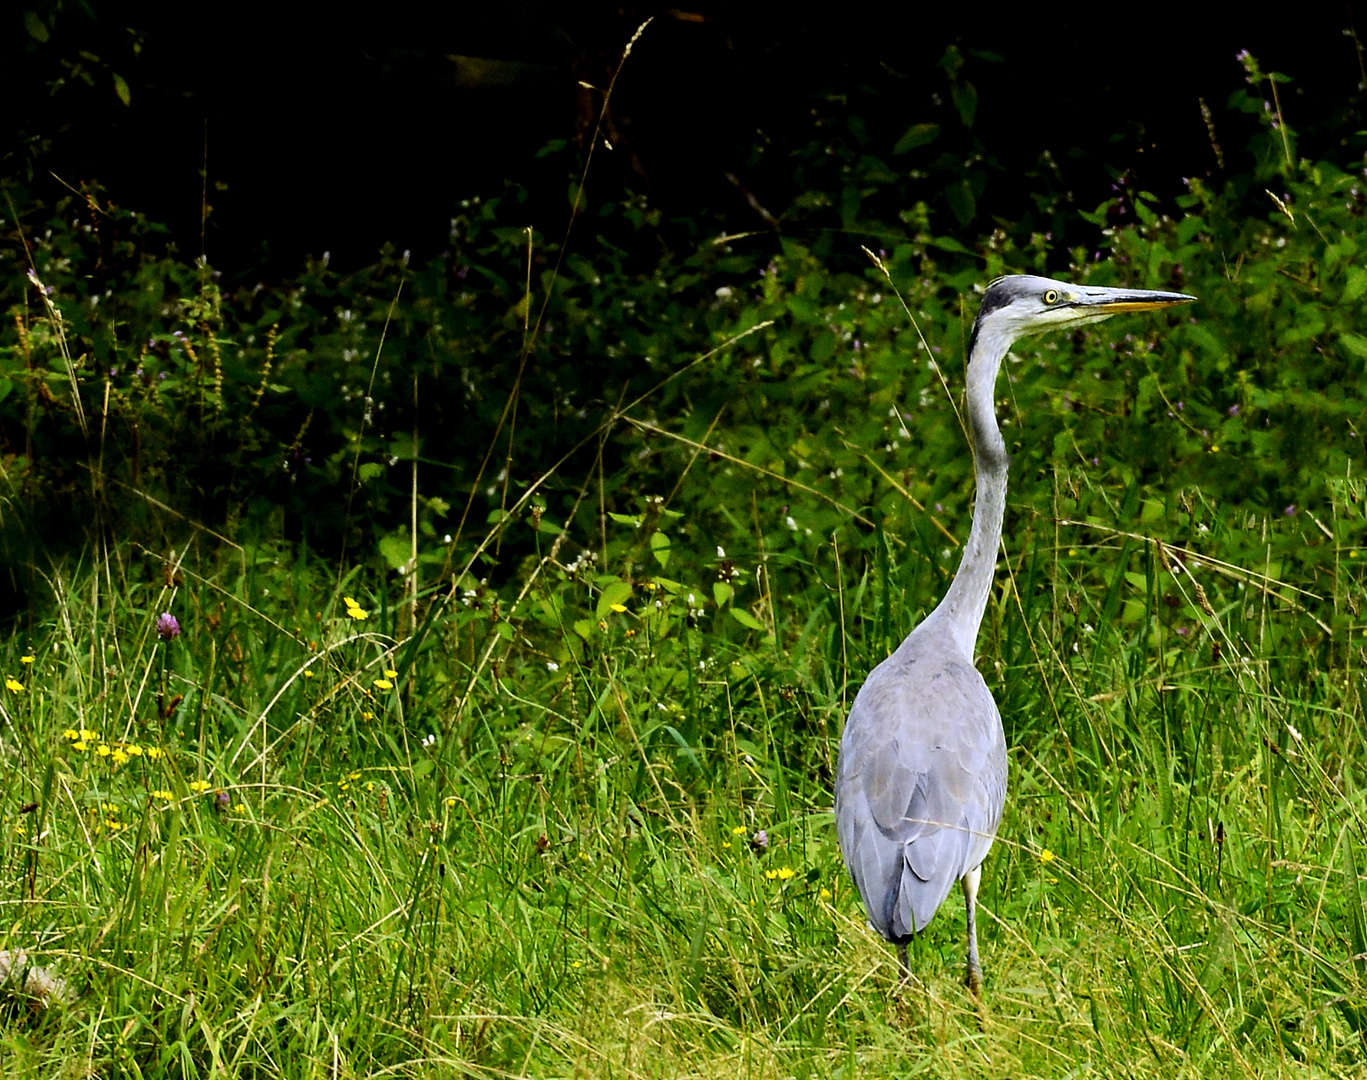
[{"x": 779, "y": 391}]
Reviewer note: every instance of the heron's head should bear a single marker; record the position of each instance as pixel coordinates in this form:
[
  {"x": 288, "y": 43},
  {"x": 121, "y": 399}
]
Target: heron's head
[{"x": 1022, "y": 304}]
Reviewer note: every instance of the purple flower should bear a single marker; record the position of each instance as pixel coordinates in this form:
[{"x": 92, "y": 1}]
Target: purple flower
[
  {"x": 222, "y": 800},
  {"x": 759, "y": 843},
  {"x": 1233, "y": 410},
  {"x": 168, "y": 627},
  {"x": 1290, "y": 510}
]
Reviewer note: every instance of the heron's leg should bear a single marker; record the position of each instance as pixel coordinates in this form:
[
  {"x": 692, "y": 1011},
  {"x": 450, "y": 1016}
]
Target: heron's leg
[
  {"x": 974, "y": 979},
  {"x": 902, "y": 961}
]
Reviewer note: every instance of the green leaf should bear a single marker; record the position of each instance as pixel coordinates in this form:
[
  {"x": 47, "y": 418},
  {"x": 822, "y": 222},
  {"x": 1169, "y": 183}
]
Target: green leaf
[
  {"x": 1355, "y": 286},
  {"x": 404, "y": 447},
  {"x": 916, "y": 135},
  {"x": 35, "y": 27},
  {"x": 961, "y": 201},
  {"x": 722, "y": 593},
  {"x": 965, "y": 97},
  {"x": 618, "y": 592},
  {"x": 423, "y": 767},
  {"x": 369, "y": 471},
  {"x": 1357, "y": 914},
  {"x": 583, "y": 627},
  {"x": 659, "y": 547},
  {"x": 1354, "y": 344},
  {"x": 396, "y": 550},
  {"x": 626, "y": 519},
  {"x": 948, "y": 243},
  {"x": 121, "y": 88},
  {"x": 746, "y": 619},
  {"x": 687, "y": 750},
  {"x": 1188, "y": 227}
]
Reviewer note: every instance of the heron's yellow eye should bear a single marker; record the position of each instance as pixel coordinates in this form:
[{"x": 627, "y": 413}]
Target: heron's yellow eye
[{"x": 1051, "y": 297}]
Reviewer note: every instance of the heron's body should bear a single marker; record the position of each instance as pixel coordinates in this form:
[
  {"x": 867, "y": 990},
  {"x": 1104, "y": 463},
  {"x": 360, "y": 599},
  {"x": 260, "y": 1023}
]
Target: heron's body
[{"x": 921, "y": 780}]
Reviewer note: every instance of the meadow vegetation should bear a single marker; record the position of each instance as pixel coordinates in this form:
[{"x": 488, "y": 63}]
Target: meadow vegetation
[{"x": 519, "y": 598}]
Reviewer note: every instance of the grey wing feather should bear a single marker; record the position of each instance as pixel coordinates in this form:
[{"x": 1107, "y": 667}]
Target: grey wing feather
[{"x": 920, "y": 783}]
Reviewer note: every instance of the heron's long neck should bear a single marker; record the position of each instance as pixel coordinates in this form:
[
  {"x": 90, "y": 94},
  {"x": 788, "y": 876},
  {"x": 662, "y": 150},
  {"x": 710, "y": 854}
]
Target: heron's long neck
[{"x": 961, "y": 611}]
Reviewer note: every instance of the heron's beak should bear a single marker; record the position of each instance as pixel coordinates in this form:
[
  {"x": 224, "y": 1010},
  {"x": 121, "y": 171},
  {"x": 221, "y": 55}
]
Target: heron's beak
[{"x": 1098, "y": 301}]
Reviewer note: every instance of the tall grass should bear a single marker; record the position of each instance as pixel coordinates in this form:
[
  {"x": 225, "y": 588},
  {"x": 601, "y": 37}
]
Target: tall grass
[{"x": 570, "y": 838}]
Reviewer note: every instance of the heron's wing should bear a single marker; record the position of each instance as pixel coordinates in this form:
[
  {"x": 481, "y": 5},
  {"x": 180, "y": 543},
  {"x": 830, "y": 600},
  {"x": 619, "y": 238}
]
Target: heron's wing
[{"x": 920, "y": 785}]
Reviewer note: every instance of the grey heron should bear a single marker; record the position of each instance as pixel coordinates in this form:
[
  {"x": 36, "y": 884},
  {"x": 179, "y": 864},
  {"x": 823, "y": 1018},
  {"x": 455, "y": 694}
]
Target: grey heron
[{"x": 921, "y": 779}]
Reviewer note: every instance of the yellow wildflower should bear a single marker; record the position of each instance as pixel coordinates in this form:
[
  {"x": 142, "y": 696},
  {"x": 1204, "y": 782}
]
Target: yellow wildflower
[
  {"x": 390, "y": 673},
  {"x": 384, "y": 684},
  {"x": 308, "y": 674},
  {"x": 726, "y": 843},
  {"x": 13, "y": 685},
  {"x": 825, "y": 894},
  {"x": 354, "y": 609},
  {"x": 154, "y": 752},
  {"x": 1046, "y": 856},
  {"x": 619, "y": 608},
  {"x": 90, "y": 736},
  {"x": 450, "y": 801},
  {"x": 367, "y": 716},
  {"x": 26, "y": 659},
  {"x": 70, "y": 734},
  {"x": 80, "y": 746},
  {"x": 199, "y": 785},
  {"x": 133, "y": 750},
  {"x": 103, "y": 750},
  {"x": 119, "y": 757},
  {"x": 114, "y": 826},
  {"x": 239, "y": 808},
  {"x": 162, "y": 794}
]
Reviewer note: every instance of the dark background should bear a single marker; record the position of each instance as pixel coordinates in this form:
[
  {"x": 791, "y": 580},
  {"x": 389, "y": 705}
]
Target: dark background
[{"x": 326, "y": 133}]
